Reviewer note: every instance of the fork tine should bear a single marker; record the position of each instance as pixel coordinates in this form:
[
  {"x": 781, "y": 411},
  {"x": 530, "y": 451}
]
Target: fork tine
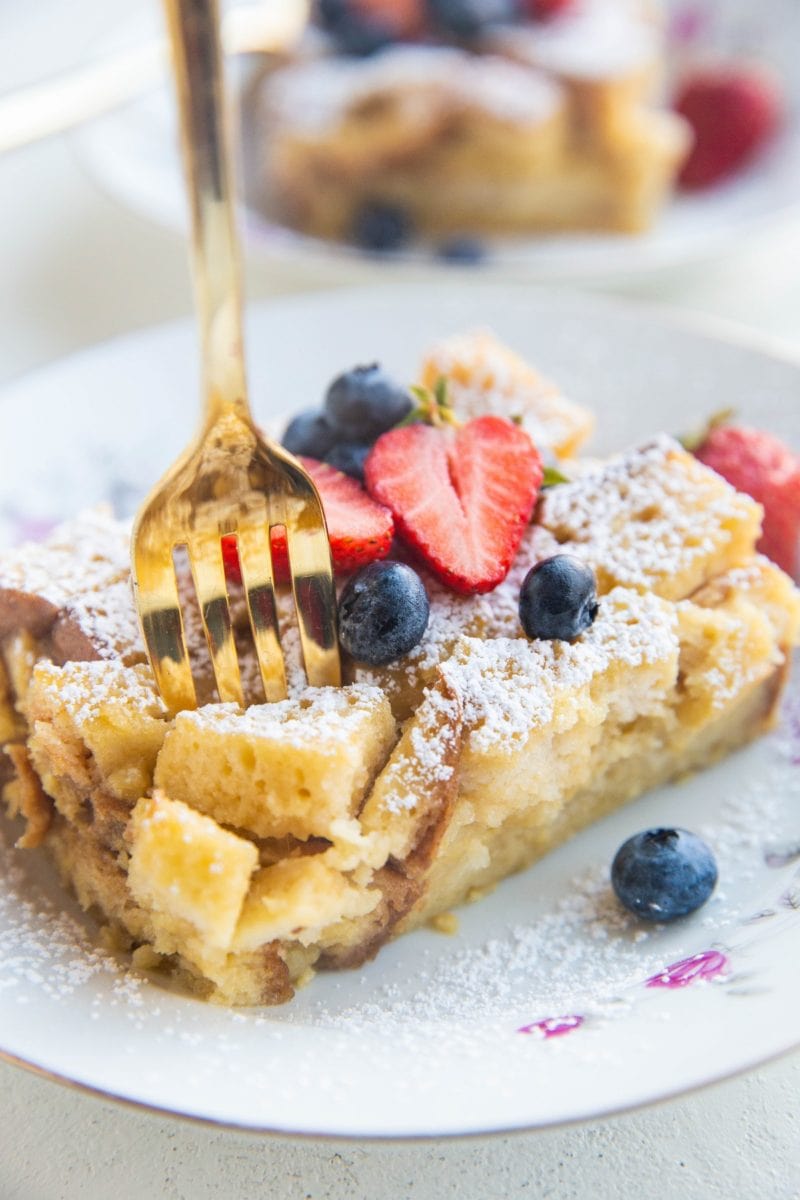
[
  {"x": 255, "y": 560},
  {"x": 208, "y": 572},
  {"x": 156, "y": 588},
  {"x": 314, "y": 594}
]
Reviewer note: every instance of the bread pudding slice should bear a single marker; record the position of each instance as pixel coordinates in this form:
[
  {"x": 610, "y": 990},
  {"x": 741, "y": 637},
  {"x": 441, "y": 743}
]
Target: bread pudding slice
[{"x": 243, "y": 850}]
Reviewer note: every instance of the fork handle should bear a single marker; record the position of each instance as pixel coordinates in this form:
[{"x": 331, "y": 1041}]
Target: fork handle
[{"x": 194, "y": 31}]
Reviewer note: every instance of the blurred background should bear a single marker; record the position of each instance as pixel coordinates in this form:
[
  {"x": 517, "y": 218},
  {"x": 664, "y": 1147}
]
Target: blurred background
[{"x": 90, "y": 241}]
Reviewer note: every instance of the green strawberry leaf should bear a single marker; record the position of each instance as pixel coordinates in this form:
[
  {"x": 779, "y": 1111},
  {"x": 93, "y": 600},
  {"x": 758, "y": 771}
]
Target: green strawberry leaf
[
  {"x": 433, "y": 407},
  {"x": 552, "y": 477},
  {"x": 693, "y": 441}
]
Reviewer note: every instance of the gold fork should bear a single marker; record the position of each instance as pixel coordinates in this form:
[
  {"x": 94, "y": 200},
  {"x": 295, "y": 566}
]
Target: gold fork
[{"x": 231, "y": 480}]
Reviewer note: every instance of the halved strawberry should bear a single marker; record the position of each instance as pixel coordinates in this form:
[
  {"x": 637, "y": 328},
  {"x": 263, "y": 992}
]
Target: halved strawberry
[
  {"x": 360, "y": 530},
  {"x": 733, "y": 110},
  {"x": 461, "y": 498},
  {"x": 761, "y": 465}
]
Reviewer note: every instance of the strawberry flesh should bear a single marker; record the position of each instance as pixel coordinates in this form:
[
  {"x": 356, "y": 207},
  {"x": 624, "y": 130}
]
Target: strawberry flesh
[
  {"x": 761, "y": 465},
  {"x": 460, "y": 498},
  {"x": 360, "y": 531},
  {"x": 733, "y": 111}
]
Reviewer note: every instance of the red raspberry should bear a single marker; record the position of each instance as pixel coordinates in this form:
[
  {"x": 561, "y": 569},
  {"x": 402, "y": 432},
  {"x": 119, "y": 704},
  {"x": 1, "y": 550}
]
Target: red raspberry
[
  {"x": 733, "y": 112},
  {"x": 543, "y": 10},
  {"x": 762, "y": 466}
]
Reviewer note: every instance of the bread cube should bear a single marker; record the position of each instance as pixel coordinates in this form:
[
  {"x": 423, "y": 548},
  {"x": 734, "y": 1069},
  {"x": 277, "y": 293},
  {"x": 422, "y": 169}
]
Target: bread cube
[
  {"x": 296, "y": 767},
  {"x": 183, "y": 865},
  {"x": 298, "y": 899},
  {"x": 483, "y": 375},
  {"x": 112, "y": 711},
  {"x": 418, "y": 785}
]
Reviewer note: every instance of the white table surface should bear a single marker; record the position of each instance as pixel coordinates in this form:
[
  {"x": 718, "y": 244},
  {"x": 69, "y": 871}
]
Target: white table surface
[{"x": 76, "y": 269}]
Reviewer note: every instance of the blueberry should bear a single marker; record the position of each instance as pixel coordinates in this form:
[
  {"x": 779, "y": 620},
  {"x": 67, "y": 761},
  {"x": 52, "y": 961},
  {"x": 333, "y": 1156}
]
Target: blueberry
[
  {"x": 469, "y": 18},
  {"x": 558, "y": 599},
  {"x": 364, "y": 403},
  {"x": 461, "y": 249},
  {"x": 354, "y": 32},
  {"x": 663, "y": 874},
  {"x": 382, "y": 227},
  {"x": 310, "y": 433},
  {"x": 349, "y": 457},
  {"x": 383, "y": 612}
]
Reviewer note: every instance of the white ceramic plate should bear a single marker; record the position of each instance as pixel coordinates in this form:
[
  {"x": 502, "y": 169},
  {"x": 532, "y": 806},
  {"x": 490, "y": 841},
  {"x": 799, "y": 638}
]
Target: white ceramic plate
[
  {"x": 427, "y": 1039},
  {"x": 133, "y": 155}
]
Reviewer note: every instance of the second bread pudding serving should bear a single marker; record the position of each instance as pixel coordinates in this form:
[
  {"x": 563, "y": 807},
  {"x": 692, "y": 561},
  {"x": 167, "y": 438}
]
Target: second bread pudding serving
[
  {"x": 533, "y": 122},
  {"x": 244, "y": 849}
]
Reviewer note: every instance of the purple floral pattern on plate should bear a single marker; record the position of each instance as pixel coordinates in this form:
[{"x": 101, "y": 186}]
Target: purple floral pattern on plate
[
  {"x": 690, "y": 24},
  {"x": 23, "y": 527},
  {"x": 553, "y": 1027},
  {"x": 706, "y": 965}
]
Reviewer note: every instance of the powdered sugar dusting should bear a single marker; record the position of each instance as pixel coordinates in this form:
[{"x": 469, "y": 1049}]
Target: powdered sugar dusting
[
  {"x": 88, "y": 689},
  {"x": 108, "y": 618},
  {"x": 315, "y": 95},
  {"x": 83, "y": 569},
  {"x": 43, "y": 948},
  {"x": 92, "y": 547},
  {"x": 595, "y": 39},
  {"x": 453, "y": 616},
  {"x": 652, "y": 518},
  {"x": 509, "y": 685},
  {"x": 583, "y": 946},
  {"x": 485, "y": 376},
  {"x": 311, "y": 718},
  {"x": 426, "y": 757},
  {"x": 431, "y": 738}
]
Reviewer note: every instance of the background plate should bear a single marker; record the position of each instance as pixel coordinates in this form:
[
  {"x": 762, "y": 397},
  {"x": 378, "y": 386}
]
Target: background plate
[
  {"x": 426, "y": 1040},
  {"x": 133, "y": 155}
]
